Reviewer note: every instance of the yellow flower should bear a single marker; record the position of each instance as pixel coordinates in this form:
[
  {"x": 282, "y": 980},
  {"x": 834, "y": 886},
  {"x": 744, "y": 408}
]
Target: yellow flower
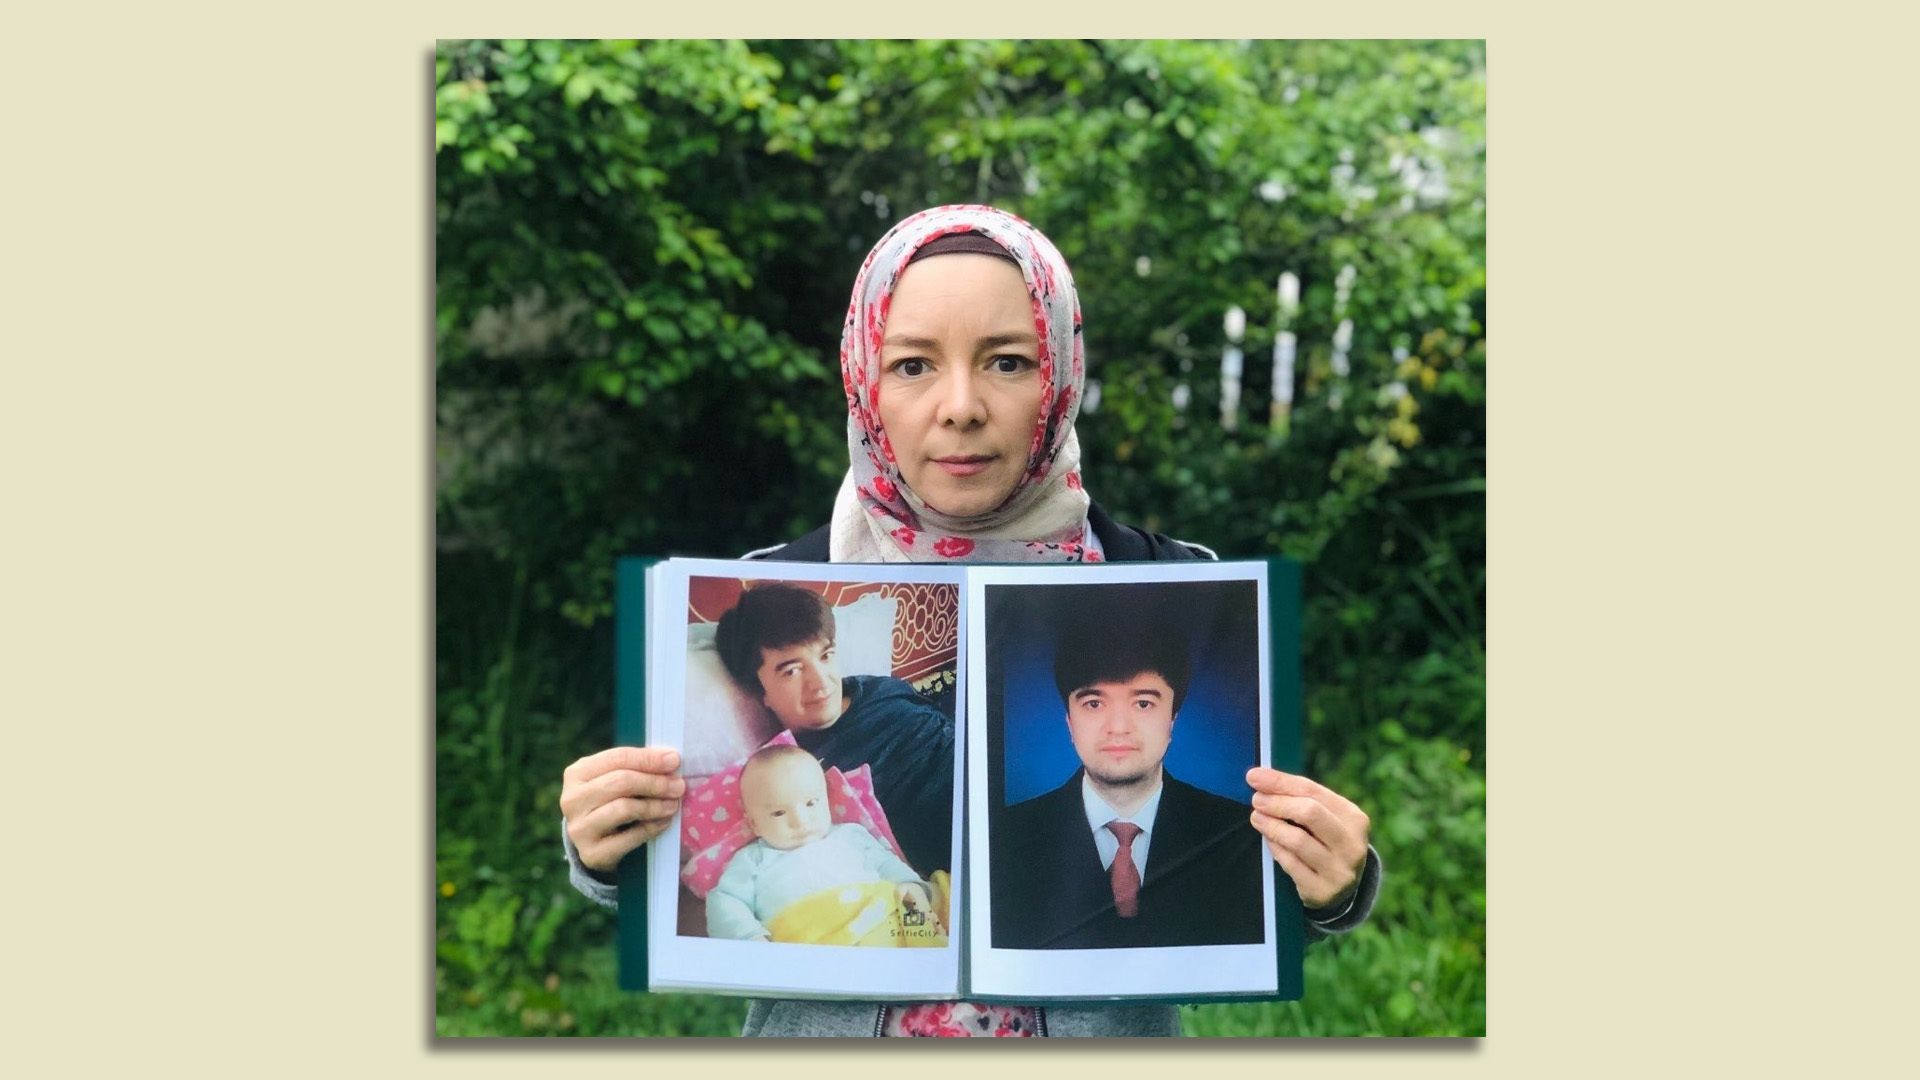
[
  {"x": 1382, "y": 454},
  {"x": 448, "y": 888}
]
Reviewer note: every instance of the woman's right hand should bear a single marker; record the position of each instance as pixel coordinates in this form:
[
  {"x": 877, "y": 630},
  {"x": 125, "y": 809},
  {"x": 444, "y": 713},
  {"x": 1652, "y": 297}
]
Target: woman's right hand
[{"x": 618, "y": 799}]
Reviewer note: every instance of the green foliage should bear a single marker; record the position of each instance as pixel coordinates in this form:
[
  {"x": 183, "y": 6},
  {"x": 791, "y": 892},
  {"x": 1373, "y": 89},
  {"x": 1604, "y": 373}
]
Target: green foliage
[{"x": 642, "y": 260}]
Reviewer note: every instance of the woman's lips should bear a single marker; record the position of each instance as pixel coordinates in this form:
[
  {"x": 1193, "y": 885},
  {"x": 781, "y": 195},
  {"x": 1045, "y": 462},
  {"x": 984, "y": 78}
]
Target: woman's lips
[{"x": 968, "y": 465}]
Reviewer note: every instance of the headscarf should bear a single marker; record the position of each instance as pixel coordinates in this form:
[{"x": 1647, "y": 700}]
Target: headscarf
[{"x": 877, "y": 517}]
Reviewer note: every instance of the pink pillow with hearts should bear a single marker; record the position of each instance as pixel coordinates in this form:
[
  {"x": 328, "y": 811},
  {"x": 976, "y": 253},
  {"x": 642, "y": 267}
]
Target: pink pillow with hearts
[{"x": 713, "y": 819}]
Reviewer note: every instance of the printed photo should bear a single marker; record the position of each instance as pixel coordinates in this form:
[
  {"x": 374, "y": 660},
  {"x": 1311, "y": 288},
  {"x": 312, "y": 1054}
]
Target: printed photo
[
  {"x": 819, "y": 753},
  {"x": 1123, "y": 719}
]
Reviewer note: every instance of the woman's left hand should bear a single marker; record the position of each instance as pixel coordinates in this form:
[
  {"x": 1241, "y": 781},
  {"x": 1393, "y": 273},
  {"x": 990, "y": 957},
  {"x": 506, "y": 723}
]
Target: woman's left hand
[{"x": 1316, "y": 835}]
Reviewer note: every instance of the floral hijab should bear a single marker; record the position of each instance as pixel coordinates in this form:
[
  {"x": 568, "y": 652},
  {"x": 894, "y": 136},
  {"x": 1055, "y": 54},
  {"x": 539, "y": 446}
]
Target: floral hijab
[{"x": 877, "y": 517}]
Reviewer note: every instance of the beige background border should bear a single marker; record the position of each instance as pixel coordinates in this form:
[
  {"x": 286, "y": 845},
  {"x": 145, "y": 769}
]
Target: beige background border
[{"x": 216, "y": 427}]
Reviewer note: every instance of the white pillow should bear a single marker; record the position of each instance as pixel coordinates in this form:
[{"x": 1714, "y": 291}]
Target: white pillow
[{"x": 725, "y": 723}]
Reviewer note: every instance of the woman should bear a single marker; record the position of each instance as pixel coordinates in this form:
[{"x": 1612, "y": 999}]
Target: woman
[{"x": 963, "y": 368}]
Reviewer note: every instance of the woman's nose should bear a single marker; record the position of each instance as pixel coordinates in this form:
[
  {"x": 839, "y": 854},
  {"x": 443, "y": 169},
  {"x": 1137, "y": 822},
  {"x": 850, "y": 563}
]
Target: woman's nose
[{"x": 960, "y": 401}]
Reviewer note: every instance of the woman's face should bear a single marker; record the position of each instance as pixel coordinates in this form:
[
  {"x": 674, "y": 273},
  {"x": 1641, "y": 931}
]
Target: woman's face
[{"x": 960, "y": 382}]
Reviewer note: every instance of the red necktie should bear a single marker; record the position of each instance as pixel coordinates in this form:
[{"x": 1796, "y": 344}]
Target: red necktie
[{"x": 1126, "y": 876}]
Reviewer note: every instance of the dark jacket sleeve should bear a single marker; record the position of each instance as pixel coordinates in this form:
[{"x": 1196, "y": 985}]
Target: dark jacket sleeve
[{"x": 1341, "y": 918}]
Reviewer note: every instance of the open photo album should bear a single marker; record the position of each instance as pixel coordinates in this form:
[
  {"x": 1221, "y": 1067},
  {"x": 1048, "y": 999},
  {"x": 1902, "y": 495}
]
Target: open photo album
[{"x": 989, "y": 782}]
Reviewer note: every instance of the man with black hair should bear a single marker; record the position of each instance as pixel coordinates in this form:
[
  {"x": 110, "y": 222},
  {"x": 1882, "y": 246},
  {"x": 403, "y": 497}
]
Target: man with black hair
[
  {"x": 778, "y": 644},
  {"x": 1123, "y": 855}
]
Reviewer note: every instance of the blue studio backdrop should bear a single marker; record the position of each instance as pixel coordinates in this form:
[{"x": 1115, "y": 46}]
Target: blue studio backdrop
[{"x": 1215, "y": 733}]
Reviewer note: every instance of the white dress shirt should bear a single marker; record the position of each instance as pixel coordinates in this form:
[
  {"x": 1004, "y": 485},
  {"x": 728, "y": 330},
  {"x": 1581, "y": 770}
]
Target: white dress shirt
[{"x": 1099, "y": 814}]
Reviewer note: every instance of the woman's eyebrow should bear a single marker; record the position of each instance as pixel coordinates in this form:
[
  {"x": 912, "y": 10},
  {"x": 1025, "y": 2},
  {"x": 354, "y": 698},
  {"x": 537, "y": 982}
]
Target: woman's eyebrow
[{"x": 991, "y": 341}]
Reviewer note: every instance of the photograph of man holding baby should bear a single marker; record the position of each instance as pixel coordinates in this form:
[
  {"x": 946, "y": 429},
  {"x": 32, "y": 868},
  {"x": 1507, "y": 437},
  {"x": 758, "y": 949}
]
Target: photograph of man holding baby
[{"x": 820, "y": 796}]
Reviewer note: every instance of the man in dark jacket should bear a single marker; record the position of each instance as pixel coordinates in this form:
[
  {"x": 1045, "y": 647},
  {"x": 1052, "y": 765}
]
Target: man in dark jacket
[
  {"x": 778, "y": 643},
  {"x": 1123, "y": 854}
]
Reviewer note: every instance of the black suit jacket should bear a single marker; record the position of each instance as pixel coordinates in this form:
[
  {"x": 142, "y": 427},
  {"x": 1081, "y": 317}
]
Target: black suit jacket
[{"x": 1202, "y": 885}]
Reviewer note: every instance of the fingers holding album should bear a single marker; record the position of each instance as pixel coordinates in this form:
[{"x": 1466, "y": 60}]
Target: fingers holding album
[
  {"x": 1325, "y": 826},
  {"x": 1284, "y": 835},
  {"x": 1317, "y": 835},
  {"x": 1321, "y": 875},
  {"x": 618, "y": 799},
  {"x": 1275, "y": 782},
  {"x": 616, "y": 772},
  {"x": 607, "y": 834},
  {"x": 1343, "y": 826},
  {"x": 636, "y": 815},
  {"x": 649, "y": 759},
  {"x": 584, "y": 797},
  {"x": 1313, "y": 892},
  {"x": 604, "y": 854}
]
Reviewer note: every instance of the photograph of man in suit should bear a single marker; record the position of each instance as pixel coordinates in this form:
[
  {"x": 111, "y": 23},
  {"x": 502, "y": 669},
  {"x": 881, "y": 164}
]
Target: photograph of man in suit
[{"x": 1124, "y": 855}]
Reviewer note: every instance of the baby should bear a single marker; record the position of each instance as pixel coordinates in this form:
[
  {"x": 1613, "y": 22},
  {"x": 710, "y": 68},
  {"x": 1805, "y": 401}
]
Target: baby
[{"x": 799, "y": 851}]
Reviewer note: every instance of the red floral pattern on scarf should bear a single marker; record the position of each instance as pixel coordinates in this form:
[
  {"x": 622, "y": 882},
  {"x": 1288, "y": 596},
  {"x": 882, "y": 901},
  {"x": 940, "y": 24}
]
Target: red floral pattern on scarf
[{"x": 960, "y": 1020}]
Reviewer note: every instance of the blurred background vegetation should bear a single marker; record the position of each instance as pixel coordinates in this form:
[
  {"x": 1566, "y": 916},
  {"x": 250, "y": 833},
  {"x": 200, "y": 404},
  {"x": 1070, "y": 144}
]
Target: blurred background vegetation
[{"x": 643, "y": 256}]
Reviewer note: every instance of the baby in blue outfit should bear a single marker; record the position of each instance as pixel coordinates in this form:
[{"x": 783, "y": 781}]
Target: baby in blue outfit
[{"x": 799, "y": 851}]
